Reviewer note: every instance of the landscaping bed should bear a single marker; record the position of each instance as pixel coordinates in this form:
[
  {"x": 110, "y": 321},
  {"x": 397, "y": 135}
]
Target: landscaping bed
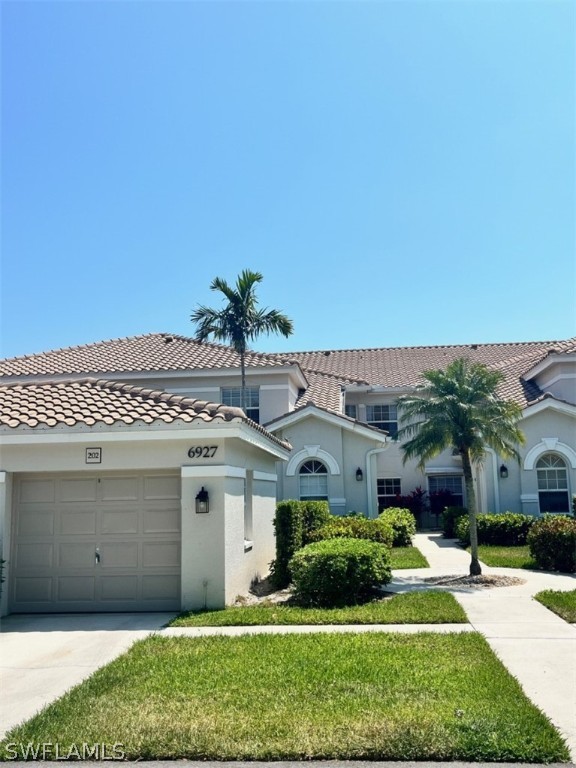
[{"x": 372, "y": 696}]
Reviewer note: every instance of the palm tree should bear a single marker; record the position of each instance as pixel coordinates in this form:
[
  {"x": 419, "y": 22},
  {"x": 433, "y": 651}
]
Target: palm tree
[
  {"x": 459, "y": 408},
  {"x": 240, "y": 320}
]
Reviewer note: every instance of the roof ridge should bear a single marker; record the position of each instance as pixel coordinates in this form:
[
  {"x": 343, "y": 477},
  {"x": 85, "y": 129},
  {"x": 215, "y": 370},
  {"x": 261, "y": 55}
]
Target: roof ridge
[{"x": 469, "y": 345}]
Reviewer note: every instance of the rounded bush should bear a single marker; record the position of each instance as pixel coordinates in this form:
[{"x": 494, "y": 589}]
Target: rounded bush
[
  {"x": 403, "y": 525},
  {"x": 338, "y": 572},
  {"x": 506, "y": 529},
  {"x": 552, "y": 542},
  {"x": 356, "y": 527},
  {"x": 450, "y": 516}
]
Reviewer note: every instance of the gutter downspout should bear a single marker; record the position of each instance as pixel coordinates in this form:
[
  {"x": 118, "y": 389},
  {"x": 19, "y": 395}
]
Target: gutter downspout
[{"x": 369, "y": 491}]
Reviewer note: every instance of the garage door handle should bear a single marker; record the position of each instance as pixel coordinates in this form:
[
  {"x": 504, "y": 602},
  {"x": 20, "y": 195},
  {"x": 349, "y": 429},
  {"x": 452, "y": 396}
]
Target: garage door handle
[{"x": 97, "y": 555}]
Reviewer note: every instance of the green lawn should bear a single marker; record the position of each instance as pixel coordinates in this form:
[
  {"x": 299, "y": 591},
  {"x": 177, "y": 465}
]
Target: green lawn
[
  {"x": 409, "y": 608},
  {"x": 506, "y": 557},
  {"x": 370, "y": 696},
  {"x": 407, "y": 557},
  {"x": 562, "y": 603}
]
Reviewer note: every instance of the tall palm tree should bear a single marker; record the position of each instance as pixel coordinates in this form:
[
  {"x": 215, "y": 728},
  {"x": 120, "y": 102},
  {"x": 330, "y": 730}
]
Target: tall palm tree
[
  {"x": 240, "y": 320},
  {"x": 459, "y": 408}
]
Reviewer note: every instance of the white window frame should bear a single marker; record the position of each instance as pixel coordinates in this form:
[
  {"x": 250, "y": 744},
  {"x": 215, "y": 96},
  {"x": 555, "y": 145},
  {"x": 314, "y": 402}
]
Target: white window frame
[
  {"x": 383, "y": 416},
  {"x": 233, "y": 396},
  {"x": 383, "y": 497},
  {"x": 320, "y": 478},
  {"x": 552, "y": 471}
]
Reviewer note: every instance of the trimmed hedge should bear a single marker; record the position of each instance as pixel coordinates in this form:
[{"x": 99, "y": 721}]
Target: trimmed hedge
[
  {"x": 507, "y": 529},
  {"x": 403, "y": 525},
  {"x": 294, "y": 524},
  {"x": 450, "y": 516},
  {"x": 552, "y": 542},
  {"x": 337, "y": 572},
  {"x": 355, "y": 527}
]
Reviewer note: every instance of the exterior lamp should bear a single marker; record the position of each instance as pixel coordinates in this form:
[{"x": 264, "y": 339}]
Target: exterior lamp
[
  {"x": 202, "y": 502},
  {"x": 503, "y": 471},
  {"x": 359, "y": 475}
]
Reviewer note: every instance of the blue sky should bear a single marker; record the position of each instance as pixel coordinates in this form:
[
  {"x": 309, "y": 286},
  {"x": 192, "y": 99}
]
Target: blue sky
[{"x": 402, "y": 173}]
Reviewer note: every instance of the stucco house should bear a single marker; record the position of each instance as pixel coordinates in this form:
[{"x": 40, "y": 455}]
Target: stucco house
[{"x": 108, "y": 451}]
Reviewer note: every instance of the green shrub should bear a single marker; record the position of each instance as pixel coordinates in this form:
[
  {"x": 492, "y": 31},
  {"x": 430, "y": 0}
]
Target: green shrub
[
  {"x": 356, "y": 527},
  {"x": 338, "y": 571},
  {"x": 294, "y": 523},
  {"x": 403, "y": 525},
  {"x": 450, "y": 516},
  {"x": 507, "y": 529},
  {"x": 552, "y": 542}
]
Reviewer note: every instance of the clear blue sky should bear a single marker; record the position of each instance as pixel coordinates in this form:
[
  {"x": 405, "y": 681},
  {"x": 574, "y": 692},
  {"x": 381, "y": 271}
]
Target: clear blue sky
[{"x": 401, "y": 171}]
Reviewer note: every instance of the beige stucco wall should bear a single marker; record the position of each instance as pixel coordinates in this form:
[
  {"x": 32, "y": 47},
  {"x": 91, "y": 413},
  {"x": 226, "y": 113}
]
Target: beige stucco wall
[{"x": 559, "y": 378}]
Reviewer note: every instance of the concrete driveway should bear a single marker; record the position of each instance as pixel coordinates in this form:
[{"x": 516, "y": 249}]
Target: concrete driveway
[{"x": 42, "y": 656}]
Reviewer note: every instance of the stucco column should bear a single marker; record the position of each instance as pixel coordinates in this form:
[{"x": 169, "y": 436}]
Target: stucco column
[
  {"x": 211, "y": 542},
  {"x": 5, "y": 535}
]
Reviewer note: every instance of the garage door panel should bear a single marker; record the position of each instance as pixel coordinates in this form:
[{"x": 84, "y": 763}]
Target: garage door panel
[
  {"x": 77, "y": 555},
  {"x": 35, "y": 522},
  {"x": 161, "y": 587},
  {"x": 77, "y": 522},
  {"x": 160, "y": 554},
  {"x": 120, "y": 554},
  {"x": 119, "y": 489},
  {"x": 161, "y": 487},
  {"x": 119, "y": 521},
  {"x": 82, "y": 489},
  {"x": 41, "y": 491},
  {"x": 161, "y": 521},
  {"x": 39, "y": 555},
  {"x": 76, "y": 588},
  {"x": 31, "y": 589},
  {"x": 119, "y": 588},
  {"x": 65, "y": 522}
]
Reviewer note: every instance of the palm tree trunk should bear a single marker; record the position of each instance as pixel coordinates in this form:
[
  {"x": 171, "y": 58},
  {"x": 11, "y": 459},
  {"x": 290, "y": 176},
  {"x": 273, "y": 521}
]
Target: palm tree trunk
[
  {"x": 243, "y": 381},
  {"x": 475, "y": 568}
]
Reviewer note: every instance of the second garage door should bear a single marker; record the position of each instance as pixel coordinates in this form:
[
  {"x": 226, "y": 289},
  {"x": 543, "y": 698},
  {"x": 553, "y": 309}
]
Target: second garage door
[{"x": 96, "y": 543}]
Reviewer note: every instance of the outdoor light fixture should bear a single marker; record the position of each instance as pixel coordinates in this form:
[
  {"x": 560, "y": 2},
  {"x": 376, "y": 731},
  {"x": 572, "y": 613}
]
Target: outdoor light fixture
[
  {"x": 202, "y": 502},
  {"x": 359, "y": 475},
  {"x": 503, "y": 471}
]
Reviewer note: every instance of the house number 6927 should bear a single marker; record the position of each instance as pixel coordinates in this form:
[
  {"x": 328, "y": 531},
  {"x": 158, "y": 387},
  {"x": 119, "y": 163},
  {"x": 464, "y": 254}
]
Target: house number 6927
[{"x": 203, "y": 452}]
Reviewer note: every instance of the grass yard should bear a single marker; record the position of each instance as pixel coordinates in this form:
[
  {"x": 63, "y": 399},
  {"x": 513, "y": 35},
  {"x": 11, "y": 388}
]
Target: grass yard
[
  {"x": 409, "y": 608},
  {"x": 407, "y": 557},
  {"x": 293, "y": 697},
  {"x": 562, "y": 603},
  {"x": 505, "y": 557}
]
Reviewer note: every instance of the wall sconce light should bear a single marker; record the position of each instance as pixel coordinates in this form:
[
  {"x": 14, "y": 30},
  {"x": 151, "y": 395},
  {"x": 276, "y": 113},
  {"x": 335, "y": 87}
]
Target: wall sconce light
[
  {"x": 202, "y": 502},
  {"x": 503, "y": 471},
  {"x": 359, "y": 475}
]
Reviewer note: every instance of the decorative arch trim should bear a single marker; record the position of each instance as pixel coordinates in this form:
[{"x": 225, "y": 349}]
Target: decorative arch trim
[
  {"x": 549, "y": 445},
  {"x": 312, "y": 452}
]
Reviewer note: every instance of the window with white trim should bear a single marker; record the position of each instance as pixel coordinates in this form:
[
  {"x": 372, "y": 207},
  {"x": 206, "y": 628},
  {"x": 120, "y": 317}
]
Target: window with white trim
[
  {"x": 445, "y": 491},
  {"x": 313, "y": 481},
  {"x": 552, "y": 477},
  {"x": 233, "y": 396},
  {"x": 383, "y": 417},
  {"x": 389, "y": 488}
]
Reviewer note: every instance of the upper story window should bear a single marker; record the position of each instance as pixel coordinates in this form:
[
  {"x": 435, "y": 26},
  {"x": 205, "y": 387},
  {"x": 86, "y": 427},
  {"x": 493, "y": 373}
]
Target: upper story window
[
  {"x": 552, "y": 484},
  {"x": 351, "y": 411},
  {"x": 233, "y": 396},
  {"x": 383, "y": 417},
  {"x": 313, "y": 481}
]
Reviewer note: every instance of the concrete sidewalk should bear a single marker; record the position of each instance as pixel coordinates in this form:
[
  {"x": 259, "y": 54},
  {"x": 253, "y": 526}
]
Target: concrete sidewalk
[{"x": 535, "y": 645}]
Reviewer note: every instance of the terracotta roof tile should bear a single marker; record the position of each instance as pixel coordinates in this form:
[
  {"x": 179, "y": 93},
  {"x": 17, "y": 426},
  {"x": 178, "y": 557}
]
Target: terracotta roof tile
[
  {"x": 150, "y": 352},
  {"x": 90, "y": 401}
]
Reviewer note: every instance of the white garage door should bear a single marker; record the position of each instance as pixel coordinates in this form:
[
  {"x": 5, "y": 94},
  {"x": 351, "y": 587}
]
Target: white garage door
[{"x": 96, "y": 543}]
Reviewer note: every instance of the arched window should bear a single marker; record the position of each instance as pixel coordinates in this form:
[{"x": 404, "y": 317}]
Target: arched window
[
  {"x": 313, "y": 481},
  {"x": 552, "y": 483}
]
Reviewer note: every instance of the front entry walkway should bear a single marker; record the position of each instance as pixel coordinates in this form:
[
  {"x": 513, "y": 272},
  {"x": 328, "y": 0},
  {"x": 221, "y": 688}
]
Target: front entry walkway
[{"x": 535, "y": 645}]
